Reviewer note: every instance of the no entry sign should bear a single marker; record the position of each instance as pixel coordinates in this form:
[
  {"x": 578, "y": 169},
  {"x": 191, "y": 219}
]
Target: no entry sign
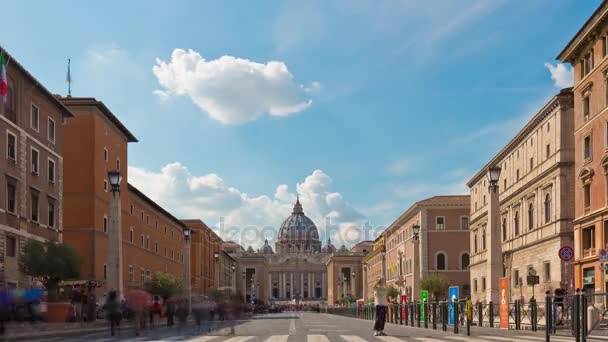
[{"x": 566, "y": 253}]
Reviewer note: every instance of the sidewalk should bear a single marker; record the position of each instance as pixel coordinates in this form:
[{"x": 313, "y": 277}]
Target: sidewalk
[{"x": 28, "y": 330}]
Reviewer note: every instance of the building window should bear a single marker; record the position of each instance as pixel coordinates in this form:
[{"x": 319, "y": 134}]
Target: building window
[
  {"x": 51, "y": 130},
  {"x": 35, "y": 161},
  {"x": 587, "y": 196},
  {"x": 483, "y": 239},
  {"x": 548, "y": 151},
  {"x": 105, "y": 185},
  {"x": 11, "y": 246},
  {"x": 604, "y": 47},
  {"x": 483, "y": 283},
  {"x": 148, "y": 242},
  {"x": 530, "y": 216},
  {"x": 142, "y": 216},
  {"x": 516, "y": 223},
  {"x": 117, "y": 164},
  {"x": 547, "y": 269},
  {"x": 131, "y": 277},
  {"x": 587, "y": 147},
  {"x": 589, "y": 241},
  {"x": 156, "y": 247},
  {"x": 105, "y": 154},
  {"x": 547, "y": 208},
  {"x": 35, "y": 206},
  {"x": 131, "y": 209},
  {"x": 147, "y": 219},
  {"x": 105, "y": 271},
  {"x": 51, "y": 171},
  {"x": 504, "y": 184},
  {"x": 166, "y": 252},
  {"x": 531, "y": 163},
  {"x": 51, "y": 214},
  {"x": 142, "y": 240},
  {"x": 105, "y": 223},
  {"x": 440, "y": 265},
  {"x": 475, "y": 242},
  {"x": 464, "y": 223},
  {"x": 516, "y": 278},
  {"x": 439, "y": 223},
  {"x": 35, "y": 118},
  {"x": 475, "y": 285},
  {"x": 142, "y": 277},
  {"x": 517, "y": 174},
  {"x": 586, "y": 108},
  {"x": 464, "y": 261},
  {"x": 11, "y": 196},
  {"x": 11, "y": 146},
  {"x": 587, "y": 63},
  {"x": 131, "y": 234}
]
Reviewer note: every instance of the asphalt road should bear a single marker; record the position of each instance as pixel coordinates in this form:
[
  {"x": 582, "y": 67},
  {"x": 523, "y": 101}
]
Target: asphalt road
[{"x": 305, "y": 327}]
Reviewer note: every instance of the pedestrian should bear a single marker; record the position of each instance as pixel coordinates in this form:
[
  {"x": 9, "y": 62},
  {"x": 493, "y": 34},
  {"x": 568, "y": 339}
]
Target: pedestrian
[
  {"x": 380, "y": 293},
  {"x": 170, "y": 311},
  {"x": 76, "y": 299},
  {"x": 155, "y": 311},
  {"x": 112, "y": 308},
  {"x": 138, "y": 300},
  {"x": 182, "y": 313}
]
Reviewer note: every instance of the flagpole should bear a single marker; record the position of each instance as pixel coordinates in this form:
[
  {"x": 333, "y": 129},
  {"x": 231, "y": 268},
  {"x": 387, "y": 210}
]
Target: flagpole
[{"x": 69, "y": 79}]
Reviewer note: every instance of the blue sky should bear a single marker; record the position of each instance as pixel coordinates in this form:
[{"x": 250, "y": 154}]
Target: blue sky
[{"x": 389, "y": 101}]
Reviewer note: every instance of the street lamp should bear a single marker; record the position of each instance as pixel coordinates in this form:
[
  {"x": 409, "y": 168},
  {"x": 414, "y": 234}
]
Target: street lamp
[
  {"x": 187, "y": 280},
  {"x": 416, "y": 271},
  {"x": 493, "y": 176},
  {"x": 114, "y": 236},
  {"x": 494, "y": 261},
  {"x": 245, "y": 286},
  {"x": 216, "y": 258},
  {"x": 233, "y": 277},
  {"x": 416, "y": 231}
]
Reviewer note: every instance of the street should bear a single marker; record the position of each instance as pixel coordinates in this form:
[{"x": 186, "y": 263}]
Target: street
[{"x": 309, "y": 327}]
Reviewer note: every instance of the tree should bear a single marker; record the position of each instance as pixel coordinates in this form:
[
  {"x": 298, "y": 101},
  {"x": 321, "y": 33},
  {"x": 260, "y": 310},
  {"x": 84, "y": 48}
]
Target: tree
[
  {"x": 164, "y": 285},
  {"x": 436, "y": 284},
  {"x": 393, "y": 292},
  {"x": 51, "y": 262}
]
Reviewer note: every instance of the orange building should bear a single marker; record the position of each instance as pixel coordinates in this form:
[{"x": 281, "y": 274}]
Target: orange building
[
  {"x": 587, "y": 53},
  {"x": 152, "y": 238},
  {"x": 205, "y": 251},
  {"x": 31, "y": 170}
]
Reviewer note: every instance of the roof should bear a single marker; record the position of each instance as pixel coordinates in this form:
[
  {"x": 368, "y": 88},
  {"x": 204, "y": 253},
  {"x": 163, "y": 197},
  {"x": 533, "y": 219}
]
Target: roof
[
  {"x": 155, "y": 205},
  {"x": 91, "y": 101},
  {"x": 532, "y": 124},
  {"x": 579, "y": 38},
  {"x": 12, "y": 62}
]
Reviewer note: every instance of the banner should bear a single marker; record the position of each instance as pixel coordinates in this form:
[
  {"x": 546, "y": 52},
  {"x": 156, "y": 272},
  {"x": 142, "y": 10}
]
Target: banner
[
  {"x": 453, "y": 297},
  {"x": 503, "y": 288},
  {"x": 424, "y": 297}
]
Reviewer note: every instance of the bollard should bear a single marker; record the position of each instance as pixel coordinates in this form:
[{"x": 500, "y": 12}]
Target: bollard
[
  {"x": 517, "y": 313},
  {"x": 584, "y": 316},
  {"x": 435, "y": 315},
  {"x": 576, "y": 316},
  {"x": 533, "y": 313},
  {"x": 469, "y": 325},
  {"x": 418, "y": 312},
  {"x": 548, "y": 316},
  {"x": 444, "y": 316},
  {"x": 491, "y": 314},
  {"x": 426, "y": 314},
  {"x": 413, "y": 312},
  {"x": 456, "y": 316},
  {"x": 480, "y": 314}
]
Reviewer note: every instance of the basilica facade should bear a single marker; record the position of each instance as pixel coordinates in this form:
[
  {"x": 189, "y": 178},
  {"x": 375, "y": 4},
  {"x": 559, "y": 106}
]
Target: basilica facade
[{"x": 296, "y": 269}]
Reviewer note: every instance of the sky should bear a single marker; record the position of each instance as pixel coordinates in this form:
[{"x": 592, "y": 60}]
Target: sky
[{"x": 360, "y": 108}]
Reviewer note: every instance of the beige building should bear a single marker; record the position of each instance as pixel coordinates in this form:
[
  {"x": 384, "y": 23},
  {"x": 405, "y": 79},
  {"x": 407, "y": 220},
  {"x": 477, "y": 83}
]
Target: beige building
[
  {"x": 441, "y": 247},
  {"x": 534, "y": 209},
  {"x": 345, "y": 272},
  {"x": 373, "y": 267}
]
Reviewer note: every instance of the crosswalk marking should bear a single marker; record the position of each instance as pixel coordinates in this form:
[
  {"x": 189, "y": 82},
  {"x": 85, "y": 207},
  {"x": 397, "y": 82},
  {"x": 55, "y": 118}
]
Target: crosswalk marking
[
  {"x": 389, "y": 339},
  {"x": 351, "y": 338},
  {"x": 317, "y": 338},
  {"x": 204, "y": 339},
  {"x": 277, "y": 338},
  {"x": 467, "y": 338},
  {"x": 239, "y": 339},
  {"x": 426, "y": 339},
  {"x": 526, "y": 338}
]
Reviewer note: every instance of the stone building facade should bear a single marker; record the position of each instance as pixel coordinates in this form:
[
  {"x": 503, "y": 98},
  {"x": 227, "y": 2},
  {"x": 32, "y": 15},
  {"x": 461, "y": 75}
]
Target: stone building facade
[
  {"x": 204, "y": 245},
  {"x": 345, "y": 273},
  {"x": 31, "y": 170},
  {"x": 442, "y": 246},
  {"x": 373, "y": 267},
  {"x": 587, "y": 53},
  {"x": 535, "y": 210}
]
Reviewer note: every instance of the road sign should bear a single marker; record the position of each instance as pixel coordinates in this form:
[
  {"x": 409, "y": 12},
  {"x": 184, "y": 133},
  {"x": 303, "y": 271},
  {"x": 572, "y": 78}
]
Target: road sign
[
  {"x": 533, "y": 280},
  {"x": 453, "y": 297},
  {"x": 424, "y": 297},
  {"x": 566, "y": 253},
  {"x": 603, "y": 254}
]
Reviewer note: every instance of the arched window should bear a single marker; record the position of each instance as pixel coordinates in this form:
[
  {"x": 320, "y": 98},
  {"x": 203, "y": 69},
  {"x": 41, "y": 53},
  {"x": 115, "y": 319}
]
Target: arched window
[
  {"x": 547, "y": 208},
  {"x": 483, "y": 240},
  {"x": 440, "y": 264},
  {"x": 475, "y": 242},
  {"x": 531, "y": 216},
  {"x": 464, "y": 261},
  {"x": 504, "y": 229},
  {"x": 516, "y": 223}
]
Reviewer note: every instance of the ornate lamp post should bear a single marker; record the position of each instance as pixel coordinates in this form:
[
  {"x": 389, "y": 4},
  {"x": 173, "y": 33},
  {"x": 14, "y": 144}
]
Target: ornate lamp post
[
  {"x": 233, "y": 278},
  {"x": 114, "y": 236},
  {"x": 495, "y": 262},
  {"x": 216, "y": 259},
  {"x": 353, "y": 286},
  {"x": 187, "y": 280},
  {"x": 416, "y": 270}
]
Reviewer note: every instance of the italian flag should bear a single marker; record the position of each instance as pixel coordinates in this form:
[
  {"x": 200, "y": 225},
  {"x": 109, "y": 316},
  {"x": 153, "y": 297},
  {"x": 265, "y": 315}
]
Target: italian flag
[{"x": 3, "y": 78}]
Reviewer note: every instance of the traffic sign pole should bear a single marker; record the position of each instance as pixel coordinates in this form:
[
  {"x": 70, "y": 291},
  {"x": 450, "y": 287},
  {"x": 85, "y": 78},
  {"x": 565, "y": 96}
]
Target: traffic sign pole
[{"x": 566, "y": 253}]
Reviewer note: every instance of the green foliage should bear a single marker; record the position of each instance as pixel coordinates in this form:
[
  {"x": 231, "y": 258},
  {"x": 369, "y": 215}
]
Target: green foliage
[
  {"x": 164, "y": 285},
  {"x": 393, "y": 292},
  {"x": 436, "y": 284},
  {"x": 52, "y": 263}
]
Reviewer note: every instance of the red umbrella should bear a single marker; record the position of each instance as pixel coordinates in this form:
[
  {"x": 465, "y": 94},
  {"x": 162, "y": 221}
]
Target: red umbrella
[{"x": 138, "y": 299}]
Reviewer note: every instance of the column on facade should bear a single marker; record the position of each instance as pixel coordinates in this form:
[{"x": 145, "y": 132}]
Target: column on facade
[
  {"x": 323, "y": 285},
  {"x": 302, "y": 284},
  {"x": 352, "y": 282},
  {"x": 291, "y": 285},
  {"x": 269, "y": 286},
  {"x": 282, "y": 282},
  {"x": 364, "y": 281}
]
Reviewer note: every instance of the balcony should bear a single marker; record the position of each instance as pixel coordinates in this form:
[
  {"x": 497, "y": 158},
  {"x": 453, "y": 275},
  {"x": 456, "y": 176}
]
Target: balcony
[{"x": 589, "y": 252}]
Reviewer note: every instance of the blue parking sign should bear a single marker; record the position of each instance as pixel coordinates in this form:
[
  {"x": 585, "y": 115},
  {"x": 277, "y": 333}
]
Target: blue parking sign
[{"x": 453, "y": 296}]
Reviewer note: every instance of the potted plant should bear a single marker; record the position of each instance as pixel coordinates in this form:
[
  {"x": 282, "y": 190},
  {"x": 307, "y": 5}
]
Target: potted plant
[{"x": 52, "y": 262}]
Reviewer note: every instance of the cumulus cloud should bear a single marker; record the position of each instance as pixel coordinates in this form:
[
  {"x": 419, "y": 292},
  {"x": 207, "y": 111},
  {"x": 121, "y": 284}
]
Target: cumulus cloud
[
  {"x": 232, "y": 90},
  {"x": 561, "y": 75},
  {"x": 245, "y": 218}
]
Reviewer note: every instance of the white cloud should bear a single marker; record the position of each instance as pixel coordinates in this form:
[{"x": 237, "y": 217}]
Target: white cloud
[
  {"x": 208, "y": 197},
  {"x": 232, "y": 90},
  {"x": 103, "y": 54},
  {"x": 561, "y": 75}
]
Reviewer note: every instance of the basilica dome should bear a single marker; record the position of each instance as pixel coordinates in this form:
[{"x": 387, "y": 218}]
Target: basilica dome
[{"x": 298, "y": 233}]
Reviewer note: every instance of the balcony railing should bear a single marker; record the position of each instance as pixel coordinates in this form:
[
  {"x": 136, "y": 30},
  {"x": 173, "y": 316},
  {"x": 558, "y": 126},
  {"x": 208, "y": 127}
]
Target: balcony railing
[{"x": 589, "y": 252}]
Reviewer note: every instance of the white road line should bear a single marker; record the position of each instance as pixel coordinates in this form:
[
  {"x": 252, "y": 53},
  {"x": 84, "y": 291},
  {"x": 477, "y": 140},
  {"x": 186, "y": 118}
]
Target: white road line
[
  {"x": 525, "y": 338},
  {"x": 317, "y": 338},
  {"x": 426, "y": 339},
  {"x": 389, "y": 339},
  {"x": 350, "y": 338},
  {"x": 204, "y": 339},
  {"x": 277, "y": 338},
  {"x": 292, "y": 327},
  {"x": 468, "y": 338},
  {"x": 332, "y": 330},
  {"x": 239, "y": 339}
]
